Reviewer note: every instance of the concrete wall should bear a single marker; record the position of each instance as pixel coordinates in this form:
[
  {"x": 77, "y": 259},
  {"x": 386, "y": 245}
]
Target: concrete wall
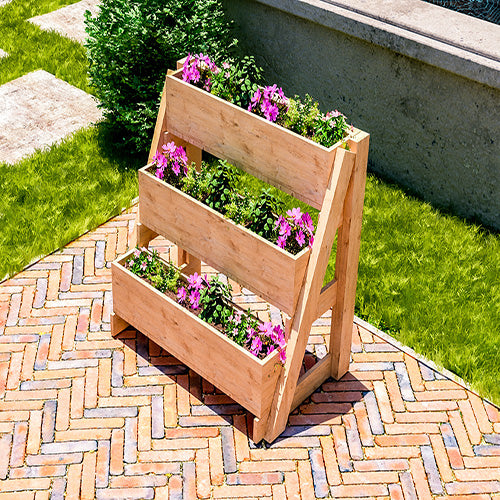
[{"x": 428, "y": 95}]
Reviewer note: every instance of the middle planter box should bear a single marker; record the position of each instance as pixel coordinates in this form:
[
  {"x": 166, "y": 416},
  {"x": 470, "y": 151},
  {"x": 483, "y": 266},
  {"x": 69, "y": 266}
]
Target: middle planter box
[{"x": 249, "y": 259}]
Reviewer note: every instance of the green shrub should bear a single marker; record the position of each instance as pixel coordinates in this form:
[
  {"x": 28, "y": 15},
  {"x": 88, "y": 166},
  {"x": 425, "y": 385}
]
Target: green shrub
[{"x": 132, "y": 43}]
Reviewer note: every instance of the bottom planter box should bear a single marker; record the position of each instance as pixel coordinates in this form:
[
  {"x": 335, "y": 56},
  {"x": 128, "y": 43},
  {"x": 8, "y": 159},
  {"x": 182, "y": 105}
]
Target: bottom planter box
[{"x": 245, "y": 378}]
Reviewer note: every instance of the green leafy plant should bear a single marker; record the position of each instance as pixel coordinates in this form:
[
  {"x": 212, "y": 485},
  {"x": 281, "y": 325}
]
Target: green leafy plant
[
  {"x": 236, "y": 81},
  {"x": 130, "y": 46},
  {"x": 214, "y": 298},
  {"x": 263, "y": 214},
  {"x": 302, "y": 115},
  {"x": 221, "y": 185}
]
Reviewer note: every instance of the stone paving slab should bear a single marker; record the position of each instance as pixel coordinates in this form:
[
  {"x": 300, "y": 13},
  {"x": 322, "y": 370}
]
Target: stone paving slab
[
  {"x": 69, "y": 20},
  {"x": 37, "y": 110},
  {"x": 84, "y": 415}
]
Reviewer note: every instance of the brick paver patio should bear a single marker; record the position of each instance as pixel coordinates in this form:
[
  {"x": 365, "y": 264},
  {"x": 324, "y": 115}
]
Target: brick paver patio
[{"x": 83, "y": 415}]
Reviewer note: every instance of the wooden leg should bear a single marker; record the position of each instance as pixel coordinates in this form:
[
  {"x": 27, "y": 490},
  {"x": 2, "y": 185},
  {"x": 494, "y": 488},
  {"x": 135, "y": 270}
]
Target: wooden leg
[
  {"x": 144, "y": 235},
  {"x": 307, "y": 304},
  {"x": 346, "y": 265},
  {"x": 117, "y": 324}
]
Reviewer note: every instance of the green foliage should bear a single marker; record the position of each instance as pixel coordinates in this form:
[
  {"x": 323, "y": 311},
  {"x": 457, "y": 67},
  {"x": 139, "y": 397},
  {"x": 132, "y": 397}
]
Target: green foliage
[
  {"x": 197, "y": 183},
  {"x": 221, "y": 185},
  {"x": 214, "y": 300},
  {"x": 263, "y": 214},
  {"x": 131, "y": 45},
  {"x": 239, "y": 209},
  {"x": 148, "y": 265},
  {"x": 237, "y": 82},
  {"x": 302, "y": 115}
]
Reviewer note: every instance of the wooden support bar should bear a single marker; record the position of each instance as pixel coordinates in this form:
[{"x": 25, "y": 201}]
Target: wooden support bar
[
  {"x": 311, "y": 380},
  {"x": 327, "y": 298},
  {"x": 193, "y": 264},
  {"x": 346, "y": 265},
  {"x": 144, "y": 235},
  {"x": 307, "y": 304},
  {"x": 117, "y": 324}
]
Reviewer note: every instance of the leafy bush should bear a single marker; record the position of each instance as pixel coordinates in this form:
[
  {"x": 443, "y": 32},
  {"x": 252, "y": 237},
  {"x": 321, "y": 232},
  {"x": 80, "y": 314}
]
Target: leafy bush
[{"x": 132, "y": 43}]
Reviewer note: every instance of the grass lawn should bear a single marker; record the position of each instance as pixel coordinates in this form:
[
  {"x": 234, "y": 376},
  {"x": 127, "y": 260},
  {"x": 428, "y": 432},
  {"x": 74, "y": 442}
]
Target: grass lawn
[{"x": 430, "y": 279}]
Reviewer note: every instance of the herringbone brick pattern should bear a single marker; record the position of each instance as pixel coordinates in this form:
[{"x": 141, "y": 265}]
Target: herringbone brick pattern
[{"x": 83, "y": 415}]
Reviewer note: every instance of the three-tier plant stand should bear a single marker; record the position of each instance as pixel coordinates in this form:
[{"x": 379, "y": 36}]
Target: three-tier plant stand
[{"x": 329, "y": 179}]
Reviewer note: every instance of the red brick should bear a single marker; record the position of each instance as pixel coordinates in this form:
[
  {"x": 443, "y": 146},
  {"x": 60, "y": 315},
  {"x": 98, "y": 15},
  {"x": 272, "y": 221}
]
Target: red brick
[
  {"x": 420, "y": 479},
  {"x": 292, "y": 486},
  {"x": 216, "y": 465},
  {"x": 330, "y": 459},
  {"x": 88, "y": 476}
]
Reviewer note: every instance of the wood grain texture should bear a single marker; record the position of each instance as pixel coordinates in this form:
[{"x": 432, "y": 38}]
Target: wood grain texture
[
  {"x": 246, "y": 379},
  {"x": 252, "y": 261},
  {"x": 307, "y": 304},
  {"x": 272, "y": 153},
  {"x": 346, "y": 264}
]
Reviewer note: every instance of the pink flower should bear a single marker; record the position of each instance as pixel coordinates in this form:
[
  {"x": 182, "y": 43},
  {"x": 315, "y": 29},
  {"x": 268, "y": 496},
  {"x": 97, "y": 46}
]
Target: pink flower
[
  {"x": 226, "y": 65},
  {"x": 285, "y": 229},
  {"x": 282, "y": 355},
  {"x": 308, "y": 223},
  {"x": 143, "y": 266},
  {"x": 194, "y": 299},
  {"x": 281, "y": 241},
  {"x": 256, "y": 346},
  {"x": 266, "y": 329},
  {"x": 195, "y": 281},
  {"x": 300, "y": 237},
  {"x": 169, "y": 148},
  {"x": 295, "y": 214},
  {"x": 181, "y": 294},
  {"x": 137, "y": 252}
]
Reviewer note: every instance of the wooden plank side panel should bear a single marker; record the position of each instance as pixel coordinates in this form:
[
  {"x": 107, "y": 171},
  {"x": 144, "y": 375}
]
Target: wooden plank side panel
[
  {"x": 250, "y": 260},
  {"x": 229, "y": 367},
  {"x": 282, "y": 158}
]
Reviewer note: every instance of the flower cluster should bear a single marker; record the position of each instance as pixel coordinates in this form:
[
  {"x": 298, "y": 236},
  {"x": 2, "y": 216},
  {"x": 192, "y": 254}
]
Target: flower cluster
[
  {"x": 269, "y": 102},
  {"x": 266, "y": 339},
  {"x": 296, "y": 230},
  {"x": 170, "y": 163},
  {"x": 197, "y": 70},
  {"x": 191, "y": 293},
  {"x": 211, "y": 300}
]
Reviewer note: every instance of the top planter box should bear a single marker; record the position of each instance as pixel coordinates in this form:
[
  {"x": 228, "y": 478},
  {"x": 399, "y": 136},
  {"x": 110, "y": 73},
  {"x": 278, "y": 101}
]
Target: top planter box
[{"x": 272, "y": 153}]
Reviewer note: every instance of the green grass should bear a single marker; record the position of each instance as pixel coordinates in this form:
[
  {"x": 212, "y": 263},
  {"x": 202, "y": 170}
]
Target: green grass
[
  {"x": 430, "y": 279},
  {"x": 55, "y": 196},
  {"x": 31, "y": 48}
]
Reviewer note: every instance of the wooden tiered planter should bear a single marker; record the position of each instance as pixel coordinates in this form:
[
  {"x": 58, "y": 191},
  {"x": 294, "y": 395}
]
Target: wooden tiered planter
[
  {"x": 244, "y": 377},
  {"x": 329, "y": 179},
  {"x": 253, "y": 261}
]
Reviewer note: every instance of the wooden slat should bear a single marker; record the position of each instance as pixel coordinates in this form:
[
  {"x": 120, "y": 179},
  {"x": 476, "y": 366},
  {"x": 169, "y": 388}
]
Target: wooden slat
[
  {"x": 239, "y": 374},
  {"x": 326, "y": 298},
  {"x": 311, "y": 380},
  {"x": 254, "y": 262},
  {"x": 346, "y": 265},
  {"x": 272, "y": 153},
  {"x": 309, "y": 295}
]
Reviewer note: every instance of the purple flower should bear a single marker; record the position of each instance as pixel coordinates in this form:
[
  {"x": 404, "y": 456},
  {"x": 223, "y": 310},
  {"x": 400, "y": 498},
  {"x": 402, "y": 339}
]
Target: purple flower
[
  {"x": 270, "y": 349},
  {"x": 308, "y": 223},
  {"x": 181, "y": 294},
  {"x": 300, "y": 237}
]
